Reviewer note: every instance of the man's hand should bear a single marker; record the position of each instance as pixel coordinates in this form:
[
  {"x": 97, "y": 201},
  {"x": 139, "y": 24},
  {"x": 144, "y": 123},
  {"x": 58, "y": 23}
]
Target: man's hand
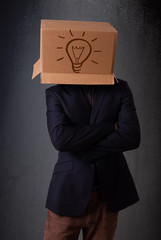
[{"x": 116, "y": 126}]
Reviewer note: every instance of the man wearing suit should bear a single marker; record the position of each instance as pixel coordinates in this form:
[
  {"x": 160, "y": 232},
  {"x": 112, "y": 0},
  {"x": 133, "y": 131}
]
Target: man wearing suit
[{"x": 91, "y": 126}]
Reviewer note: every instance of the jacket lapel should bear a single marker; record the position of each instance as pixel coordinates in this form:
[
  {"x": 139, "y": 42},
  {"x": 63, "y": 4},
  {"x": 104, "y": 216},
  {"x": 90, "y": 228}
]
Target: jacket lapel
[
  {"x": 77, "y": 98},
  {"x": 77, "y": 95},
  {"x": 99, "y": 94}
]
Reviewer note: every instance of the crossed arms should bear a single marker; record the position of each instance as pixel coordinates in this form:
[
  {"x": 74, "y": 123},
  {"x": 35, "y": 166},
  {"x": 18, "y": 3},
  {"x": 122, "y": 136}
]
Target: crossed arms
[{"x": 102, "y": 138}]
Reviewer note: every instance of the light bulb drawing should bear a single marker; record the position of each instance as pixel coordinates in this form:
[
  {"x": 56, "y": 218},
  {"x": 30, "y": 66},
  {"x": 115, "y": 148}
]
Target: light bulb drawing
[{"x": 78, "y": 50}]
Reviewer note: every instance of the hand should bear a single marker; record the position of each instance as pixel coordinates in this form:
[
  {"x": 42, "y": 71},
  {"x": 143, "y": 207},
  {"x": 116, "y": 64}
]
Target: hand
[{"x": 116, "y": 127}]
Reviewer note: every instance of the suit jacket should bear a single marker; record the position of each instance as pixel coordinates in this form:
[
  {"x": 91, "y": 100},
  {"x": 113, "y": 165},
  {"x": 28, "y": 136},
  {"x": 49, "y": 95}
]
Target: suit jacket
[{"x": 85, "y": 137}]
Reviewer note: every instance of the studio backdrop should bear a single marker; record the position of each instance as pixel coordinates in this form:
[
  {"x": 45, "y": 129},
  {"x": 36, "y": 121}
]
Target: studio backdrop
[{"x": 27, "y": 156}]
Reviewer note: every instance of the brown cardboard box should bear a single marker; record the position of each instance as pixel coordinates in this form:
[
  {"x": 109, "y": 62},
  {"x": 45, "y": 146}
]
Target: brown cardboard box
[{"x": 76, "y": 52}]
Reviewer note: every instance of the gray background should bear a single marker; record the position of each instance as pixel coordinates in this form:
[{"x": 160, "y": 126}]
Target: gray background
[{"x": 27, "y": 156}]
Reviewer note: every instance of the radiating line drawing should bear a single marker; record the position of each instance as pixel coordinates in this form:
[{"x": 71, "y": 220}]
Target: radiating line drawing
[
  {"x": 93, "y": 39},
  {"x": 61, "y": 37},
  {"x": 94, "y": 61},
  {"x": 60, "y": 59},
  {"x": 71, "y": 32}
]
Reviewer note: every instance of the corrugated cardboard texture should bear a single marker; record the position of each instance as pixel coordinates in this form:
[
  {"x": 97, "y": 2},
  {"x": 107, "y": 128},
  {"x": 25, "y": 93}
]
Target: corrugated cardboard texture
[{"x": 76, "y": 52}]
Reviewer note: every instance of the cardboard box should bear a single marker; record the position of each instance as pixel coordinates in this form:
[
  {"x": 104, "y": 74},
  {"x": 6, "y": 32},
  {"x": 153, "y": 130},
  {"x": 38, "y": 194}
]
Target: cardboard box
[{"x": 76, "y": 52}]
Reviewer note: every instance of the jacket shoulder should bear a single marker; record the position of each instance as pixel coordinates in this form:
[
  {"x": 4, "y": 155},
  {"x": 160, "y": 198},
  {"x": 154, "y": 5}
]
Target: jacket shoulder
[
  {"x": 54, "y": 89},
  {"x": 121, "y": 82},
  {"x": 122, "y": 85},
  {"x": 57, "y": 89}
]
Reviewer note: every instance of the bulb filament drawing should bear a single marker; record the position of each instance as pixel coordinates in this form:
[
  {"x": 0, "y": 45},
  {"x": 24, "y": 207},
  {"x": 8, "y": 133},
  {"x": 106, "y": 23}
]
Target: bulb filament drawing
[{"x": 78, "y": 51}]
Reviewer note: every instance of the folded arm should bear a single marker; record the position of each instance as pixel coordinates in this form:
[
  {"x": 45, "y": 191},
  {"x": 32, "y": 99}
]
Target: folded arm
[
  {"x": 127, "y": 129},
  {"x": 66, "y": 137}
]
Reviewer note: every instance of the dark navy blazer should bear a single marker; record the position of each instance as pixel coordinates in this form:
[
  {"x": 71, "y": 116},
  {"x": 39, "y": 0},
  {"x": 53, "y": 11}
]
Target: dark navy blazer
[{"x": 83, "y": 137}]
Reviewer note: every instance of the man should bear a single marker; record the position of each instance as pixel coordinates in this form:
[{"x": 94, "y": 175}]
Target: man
[{"x": 91, "y": 127}]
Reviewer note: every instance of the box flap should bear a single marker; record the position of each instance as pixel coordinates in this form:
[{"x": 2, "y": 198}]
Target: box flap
[{"x": 36, "y": 69}]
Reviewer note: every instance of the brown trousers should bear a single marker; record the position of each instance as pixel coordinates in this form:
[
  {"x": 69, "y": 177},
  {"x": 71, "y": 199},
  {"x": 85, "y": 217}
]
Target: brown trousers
[{"x": 97, "y": 222}]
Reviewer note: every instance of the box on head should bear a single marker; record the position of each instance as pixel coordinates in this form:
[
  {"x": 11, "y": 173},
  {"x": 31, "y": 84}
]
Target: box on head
[{"x": 76, "y": 52}]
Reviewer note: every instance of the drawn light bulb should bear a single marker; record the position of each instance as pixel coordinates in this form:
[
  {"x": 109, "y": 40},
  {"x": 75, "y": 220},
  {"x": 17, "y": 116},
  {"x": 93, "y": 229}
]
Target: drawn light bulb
[{"x": 78, "y": 51}]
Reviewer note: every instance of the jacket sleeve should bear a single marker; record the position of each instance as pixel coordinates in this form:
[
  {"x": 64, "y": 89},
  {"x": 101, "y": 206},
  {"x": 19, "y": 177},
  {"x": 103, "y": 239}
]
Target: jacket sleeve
[
  {"x": 127, "y": 136},
  {"x": 66, "y": 136}
]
